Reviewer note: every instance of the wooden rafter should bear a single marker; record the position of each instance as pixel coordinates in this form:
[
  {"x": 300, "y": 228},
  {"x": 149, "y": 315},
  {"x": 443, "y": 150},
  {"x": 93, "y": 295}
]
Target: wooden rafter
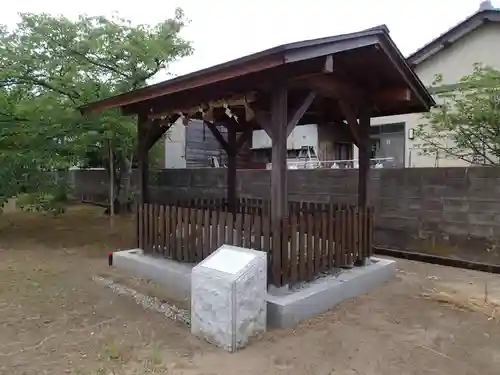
[
  {"x": 226, "y": 145},
  {"x": 351, "y": 117},
  {"x": 264, "y": 120},
  {"x": 218, "y": 136},
  {"x": 299, "y": 112},
  {"x": 244, "y": 137}
]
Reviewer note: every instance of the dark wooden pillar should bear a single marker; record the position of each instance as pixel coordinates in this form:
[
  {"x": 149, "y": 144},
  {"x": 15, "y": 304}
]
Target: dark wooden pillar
[
  {"x": 279, "y": 122},
  {"x": 364, "y": 156},
  {"x": 143, "y": 158},
  {"x": 231, "y": 168}
]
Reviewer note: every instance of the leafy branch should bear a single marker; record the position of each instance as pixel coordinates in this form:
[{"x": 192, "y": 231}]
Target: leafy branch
[{"x": 466, "y": 123}]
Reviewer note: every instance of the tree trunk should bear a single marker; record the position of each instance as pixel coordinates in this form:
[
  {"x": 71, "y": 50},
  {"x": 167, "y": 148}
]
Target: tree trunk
[{"x": 122, "y": 173}]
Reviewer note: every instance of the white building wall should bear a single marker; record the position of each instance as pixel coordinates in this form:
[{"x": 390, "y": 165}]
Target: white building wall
[
  {"x": 175, "y": 146},
  {"x": 302, "y": 135},
  {"x": 480, "y": 46}
]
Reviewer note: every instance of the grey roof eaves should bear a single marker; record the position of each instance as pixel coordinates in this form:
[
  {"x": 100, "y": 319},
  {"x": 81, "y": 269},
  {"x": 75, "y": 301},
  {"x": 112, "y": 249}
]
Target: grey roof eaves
[{"x": 453, "y": 34}]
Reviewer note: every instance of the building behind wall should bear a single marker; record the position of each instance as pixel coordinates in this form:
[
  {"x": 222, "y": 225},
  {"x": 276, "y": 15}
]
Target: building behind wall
[
  {"x": 329, "y": 142},
  {"x": 191, "y": 146},
  {"x": 453, "y": 54}
]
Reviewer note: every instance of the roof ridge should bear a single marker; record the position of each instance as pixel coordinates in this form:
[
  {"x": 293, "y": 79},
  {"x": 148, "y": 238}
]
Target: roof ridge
[{"x": 476, "y": 15}]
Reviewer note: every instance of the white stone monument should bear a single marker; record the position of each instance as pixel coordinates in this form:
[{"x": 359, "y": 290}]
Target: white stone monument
[{"x": 228, "y": 297}]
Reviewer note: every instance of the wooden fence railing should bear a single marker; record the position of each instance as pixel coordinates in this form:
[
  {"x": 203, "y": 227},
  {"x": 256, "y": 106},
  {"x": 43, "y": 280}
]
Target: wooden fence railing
[
  {"x": 300, "y": 247},
  {"x": 250, "y": 205}
]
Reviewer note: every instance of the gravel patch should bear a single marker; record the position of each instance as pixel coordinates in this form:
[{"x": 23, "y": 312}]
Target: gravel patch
[{"x": 147, "y": 302}]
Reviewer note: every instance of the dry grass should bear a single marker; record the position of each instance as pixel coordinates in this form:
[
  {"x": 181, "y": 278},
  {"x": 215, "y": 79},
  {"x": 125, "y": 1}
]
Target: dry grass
[
  {"x": 55, "y": 320},
  {"x": 463, "y": 302},
  {"x": 81, "y": 226}
]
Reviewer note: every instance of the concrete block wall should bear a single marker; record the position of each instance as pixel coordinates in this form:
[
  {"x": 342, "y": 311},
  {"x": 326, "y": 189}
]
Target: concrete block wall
[{"x": 446, "y": 211}]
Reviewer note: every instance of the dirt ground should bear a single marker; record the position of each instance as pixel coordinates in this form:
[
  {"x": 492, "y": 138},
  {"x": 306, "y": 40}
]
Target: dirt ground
[{"x": 55, "y": 320}]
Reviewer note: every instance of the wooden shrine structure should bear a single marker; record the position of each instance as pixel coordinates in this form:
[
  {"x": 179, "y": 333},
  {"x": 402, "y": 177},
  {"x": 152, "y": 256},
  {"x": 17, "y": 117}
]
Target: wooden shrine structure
[{"x": 346, "y": 78}]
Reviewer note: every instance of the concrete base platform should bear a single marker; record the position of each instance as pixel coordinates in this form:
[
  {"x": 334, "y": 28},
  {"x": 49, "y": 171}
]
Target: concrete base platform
[
  {"x": 286, "y": 308},
  {"x": 175, "y": 276}
]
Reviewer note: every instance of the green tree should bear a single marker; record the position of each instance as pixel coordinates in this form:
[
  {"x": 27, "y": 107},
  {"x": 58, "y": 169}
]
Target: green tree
[
  {"x": 466, "y": 122},
  {"x": 51, "y": 65}
]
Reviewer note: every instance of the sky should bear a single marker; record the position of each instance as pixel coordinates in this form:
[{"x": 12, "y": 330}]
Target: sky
[{"x": 223, "y": 30}]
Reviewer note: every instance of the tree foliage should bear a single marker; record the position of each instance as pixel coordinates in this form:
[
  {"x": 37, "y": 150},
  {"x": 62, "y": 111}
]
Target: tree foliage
[
  {"x": 466, "y": 123},
  {"x": 51, "y": 65}
]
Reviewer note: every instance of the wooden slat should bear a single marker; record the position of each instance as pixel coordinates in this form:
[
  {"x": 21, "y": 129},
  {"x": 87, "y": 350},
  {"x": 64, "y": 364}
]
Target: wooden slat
[
  {"x": 145, "y": 213},
  {"x": 336, "y": 238},
  {"x": 256, "y": 232},
  {"x": 157, "y": 230},
  {"x": 198, "y": 240},
  {"x": 363, "y": 219},
  {"x": 310, "y": 246},
  {"x": 324, "y": 240},
  {"x": 247, "y": 230},
  {"x": 350, "y": 237},
  {"x": 294, "y": 254},
  {"x": 161, "y": 229},
  {"x": 180, "y": 223},
  {"x": 229, "y": 229},
  {"x": 173, "y": 230},
  {"x": 238, "y": 230},
  {"x": 185, "y": 233},
  {"x": 140, "y": 226},
  {"x": 214, "y": 215},
  {"x": 155, "y": 234},
  {"x": 302, "y": 249},
  {"x": 137, "y": 226},
  {"x": 355, "y": 235},
  {"x": 317, "y": 243},
  {"x": 193, "y": 233},
  {"x": 178, "y": 232},
  {"x": 206, "y": 233},
  {"x": 168, "y": 231},
  {"x": 266, "y": 233},
  {"x": 150, "y": 228},
  {"x": 343, "y": 238},
  {"x": 221, "y": 230},
  {"x": 331, "y": 236}
]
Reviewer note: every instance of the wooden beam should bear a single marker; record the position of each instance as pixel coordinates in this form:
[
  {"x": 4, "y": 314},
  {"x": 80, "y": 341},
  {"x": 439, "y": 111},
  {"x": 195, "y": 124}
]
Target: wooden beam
[
  {"x": 213, "y": 129},
  {"x": 351, "y": 118},
  {"x": 231, "y": 169},
  {"x": 244, "y": 137},
  {"x": 299, "y": 112},
  {"x": 279, "y": 192},
  {"x": 142, "y": 155},
  {"x": 264, "y": 121},
  {"x": 156, "y": 130},
  {"x": 364, "y": 155},
  {"x": 392, "y": 95},
  {"x": 330, "y": 86}
]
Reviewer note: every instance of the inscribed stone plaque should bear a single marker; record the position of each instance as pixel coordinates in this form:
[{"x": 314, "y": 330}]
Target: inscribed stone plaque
[{"x": 228, "y": 297}]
